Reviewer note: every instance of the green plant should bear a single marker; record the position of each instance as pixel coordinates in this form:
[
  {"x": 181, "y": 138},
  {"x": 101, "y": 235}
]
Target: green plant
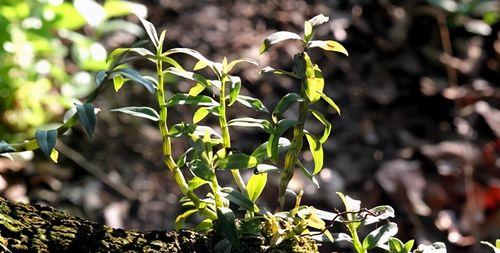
[
  {"x": 495, "y": 248},
  {"x": 210, "y": 152},
  {"x": 48, "y": 59}
]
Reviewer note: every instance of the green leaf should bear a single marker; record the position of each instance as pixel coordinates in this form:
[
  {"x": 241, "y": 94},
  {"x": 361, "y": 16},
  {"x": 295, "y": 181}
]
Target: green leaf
[
  {"x": 284, "y": 104},
  {"x": 251, "y": 122},
  {"x": 201, "y": 169},
  {"x": 328, "y": 45},
  {"x": 204, "y": 225},
  {"x": 308, "y": 31},
  {"x": 317, "y": 152},
  {"x": 46, "y": 140},
  {"x": 151, "y": 31},
  {"x": 265, "y": 168},
  {"x": 227, "y": 224},
  {"x": 307, "y": 174},
  {"x": 6, "y": 148},
  {"x": 54, "y": 155},
  {"x": 186, "y": 99},
  {"x": 200, "y": 114},
  {"x": 277, "y": 72},
  {"x": 256, "y": 185},
  {"x": 314, "y": 82},
  {"x": 86, "y": 115},
  {"x": 328, "y": 127},
  {"x": 260, "y": 153},
  {"x": 197, "y": 55},
  {"x": 188, "y": 75},
  {"x": 196, "y": 182},
  {"x": 181, "y": 218},
  {"x": 118, "y": 82},
  {"x": 234, "y": 89},
  {"x": 161, "y": 40},
  {"x": 232, "y": 64},
  {"x": 136, "y": 77},
  {"x": 251, "y": 102},
  {"x": 181, "y": 161},
  {"x": 351, "y": 205},
  {"x": 196, "y": 89},
  {"x": 237, "y": 161},
  {"x": 281, "y": 127},
  {"x": 277, "y": 37},
  {"x": 409, "y": 245},
  {"x": 137, "y": 111},
  {"x": 100, "y": 76},
  {"x": 330, "y": 102},
  {"x": 380, "y": 235},
  {"x": 240, "y": 200},
  {"x": 396, "y": 245},
  {"x": 496, "y": 249}
]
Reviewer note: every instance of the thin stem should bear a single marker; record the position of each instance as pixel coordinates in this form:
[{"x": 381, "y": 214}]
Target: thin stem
[
  {"x": 226, "y": 139},
  {"x": 355, "y": 240},
  {"x": 167, "y": 146}
]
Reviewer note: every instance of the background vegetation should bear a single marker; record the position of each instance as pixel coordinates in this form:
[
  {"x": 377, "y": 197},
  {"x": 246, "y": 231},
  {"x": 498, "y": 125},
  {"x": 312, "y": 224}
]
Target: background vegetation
[{"x": 419, "y": 93}]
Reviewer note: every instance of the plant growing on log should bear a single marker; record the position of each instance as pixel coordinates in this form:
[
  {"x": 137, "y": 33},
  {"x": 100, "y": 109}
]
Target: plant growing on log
[{"x": 210, "y": 151}]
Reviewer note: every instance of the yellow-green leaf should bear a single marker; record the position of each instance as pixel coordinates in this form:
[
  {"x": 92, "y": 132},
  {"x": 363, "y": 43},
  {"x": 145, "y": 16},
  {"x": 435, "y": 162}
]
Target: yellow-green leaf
[
  {"x": 314, "y": 80},
  {"x": 316, "y": 151},
  {"x": 200, "y": 114},
  {"x": 118, "y": 82},
  {"x": 256, "y": 185},
  {"x": 329, "y": 45},
  {"x": 54, "y": 155}
]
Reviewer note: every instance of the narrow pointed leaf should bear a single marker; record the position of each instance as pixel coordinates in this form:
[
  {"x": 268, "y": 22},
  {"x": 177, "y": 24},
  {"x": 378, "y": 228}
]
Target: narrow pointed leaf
[
  {"x": 232, "y": 64},
  {"x": 314, "y": 82},
  {"x": 200, "y": 114},
  {"x": 316, "y": 151},
  {"x": 260, "y": 153},
  {"x": 46, "y": 140},
  {"x": 151, "y": 31},
  {"x": 234, "y": 89},
  {"x": 329, "y": 45},
  {"x": 277, "y": 37},
  {"x": 307, "y": 174},
  {"x": 251, "y": 122},
  {"x": 277, "y": 72},
  {"x": 181, "y": 218},
  {"x": 281, "y": 127},
  {"x": 237, "y": 161},
  {"x": 308, "y": 31},
  {"x": 396, "y": 245},
  {"x": 328, "y": 127},
  {"x": 196, "y": 182},
  {"x": 285, "y": 103},
  {"x": 188, "y": 75},
  {"x": 197, "y": 55},
  {"x": 138, "y": 78},
  {"x": 251, "y": 102},
  {"x": 239, "y": 199},
  {"x": 318, "y": 20},
  {"x": 201, "y": 169},
  {"x": 100, "y": 77},
  {"x": 265, "y": 168},
  {"x": 86, "y": 115},
  {"x": 409, "y": 245},
  {"x": 139, "y": 111},
  {"x": 186, "y": 99},
  {"x": 196, "y": 89},
  {"x": 256, "y": 185},
  {"x": 330, "y": 102}
]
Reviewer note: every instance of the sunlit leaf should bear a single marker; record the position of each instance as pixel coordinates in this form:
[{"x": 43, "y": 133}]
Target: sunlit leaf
[
  {"x": 186, "y": 99},
  {"x": 232, "y": 64},
  {"x": 86, "y": 115},
  {"x": 265, "y": 168},
  {"x": 314, "y": 82},
  {"x": 251, "y": 102},
  {"x": 318, "y": 20},
  {"x": 200, "y": 114},
  {"x": 181, "y": 218},
  {"x": 251, "y": 122},
  {"x": 277, "y": 37},
  {"x": 46, "y": 140},
  {"x": 196, "y": 182},
  {"x": 118, "y": 82},
  {"x": 256, "y": 185},
  {"x": 139, "y": 111},
  {"x": 188, "y": 75},
  {"x": 234, "y": 89},
  {"x": 54, "y": 155},
  {"x": 204, "y": 225},
  {"x": 495, "y": 249},
  {"x": 284, "y": 104},
  {"x": 328, "y": 127},
  {"x": 329, "y": 45},
  {"x": 151, "y": 31},
  {"x": 330, "y": 102},
  {"x": 201, "y": 169},
  {"x": 380, "y": 235},
  {"x": 381, "y": 213},
  {"x": 277, "y": 72},
  {"x": 307, "y": 174},
  {"x": 196, "y": 89},
  {"x": 396, "y": 245},
  {"x": 237, "y": 161},
  {"x": 197, "y": 55},
  {"x": 317, "y": 152},
  {"x": 281, "y": 127}
]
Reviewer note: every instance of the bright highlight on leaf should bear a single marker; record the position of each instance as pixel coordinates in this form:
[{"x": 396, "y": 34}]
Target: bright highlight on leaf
[
  {"x": 139, "y": 111},
  {"x": 329, "y": 45}
]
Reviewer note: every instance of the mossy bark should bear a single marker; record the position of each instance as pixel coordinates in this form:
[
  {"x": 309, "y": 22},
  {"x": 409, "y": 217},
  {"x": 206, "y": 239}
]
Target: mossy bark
[{"x": 34, "y": 228}]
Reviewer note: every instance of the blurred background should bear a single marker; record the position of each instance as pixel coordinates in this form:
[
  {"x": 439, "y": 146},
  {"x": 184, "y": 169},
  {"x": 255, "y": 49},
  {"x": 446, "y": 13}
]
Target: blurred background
[{"x": 420, "y": 95}]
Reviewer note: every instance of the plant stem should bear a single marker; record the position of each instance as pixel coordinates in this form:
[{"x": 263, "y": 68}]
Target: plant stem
[
  {"x": 226, "y": 139},
  {"x": 355, "y": 240},
  {"x": 167, "y": 146}
]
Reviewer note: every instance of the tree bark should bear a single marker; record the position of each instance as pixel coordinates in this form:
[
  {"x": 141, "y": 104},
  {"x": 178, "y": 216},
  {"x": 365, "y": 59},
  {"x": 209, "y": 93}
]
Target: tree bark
[{"x": 35, "y": 228}]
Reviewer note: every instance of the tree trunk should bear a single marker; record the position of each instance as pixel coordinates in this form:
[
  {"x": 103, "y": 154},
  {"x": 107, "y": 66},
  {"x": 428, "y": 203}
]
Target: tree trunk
[{"x": 34, "y": 228}]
